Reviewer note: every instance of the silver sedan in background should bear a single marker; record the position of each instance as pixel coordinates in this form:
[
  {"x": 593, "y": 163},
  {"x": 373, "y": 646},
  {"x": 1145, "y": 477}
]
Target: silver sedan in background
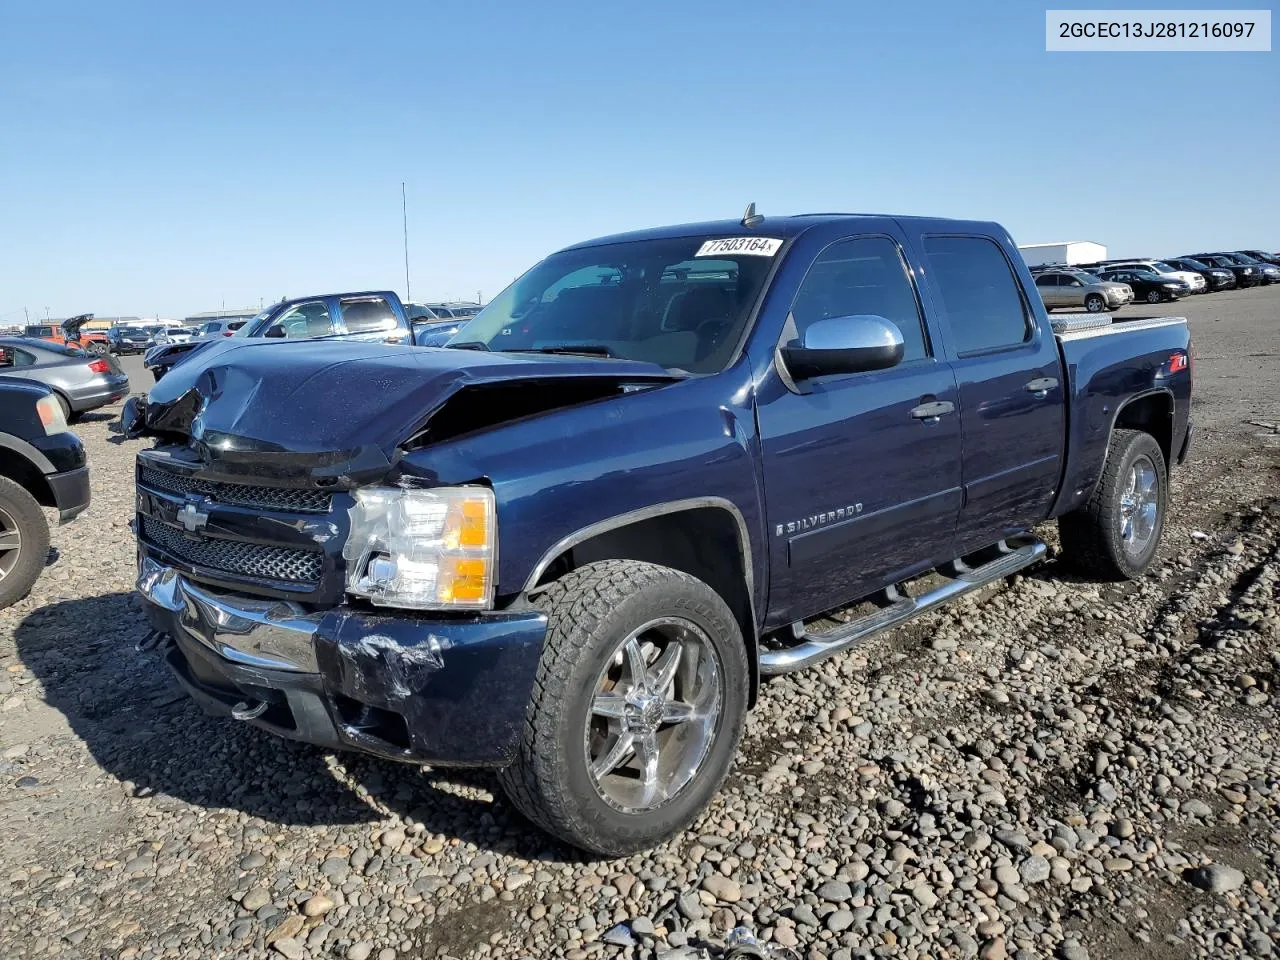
[{"x": 81, "y": 381}]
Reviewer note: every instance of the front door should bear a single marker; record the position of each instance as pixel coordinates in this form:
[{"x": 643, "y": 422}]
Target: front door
[
  {"x": 1011, "y": 390},
  {"x": 861, "y": 489}
]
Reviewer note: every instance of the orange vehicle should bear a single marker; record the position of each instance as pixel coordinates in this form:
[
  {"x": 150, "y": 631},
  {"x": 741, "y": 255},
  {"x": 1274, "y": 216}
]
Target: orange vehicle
[{"x": 68, "y": 332}]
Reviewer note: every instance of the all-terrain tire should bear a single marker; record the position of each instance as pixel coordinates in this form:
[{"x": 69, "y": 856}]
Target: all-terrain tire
[
  {"x": 589, "y": 612},
  {"x": 1092, "y": 537},
  {"x": 21, "y": 515}
]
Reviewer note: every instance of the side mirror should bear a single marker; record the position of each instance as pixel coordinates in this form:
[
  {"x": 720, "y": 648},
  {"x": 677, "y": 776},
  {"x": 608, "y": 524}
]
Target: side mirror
[
  {"x": 276, "y": 331},
  {"x": 852, "y": 344}
]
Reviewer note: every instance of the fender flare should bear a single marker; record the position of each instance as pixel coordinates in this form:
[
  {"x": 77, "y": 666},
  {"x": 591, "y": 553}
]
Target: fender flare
[
  {"x": 27, "y": 451},
  {"x": 620, "y": 520}
]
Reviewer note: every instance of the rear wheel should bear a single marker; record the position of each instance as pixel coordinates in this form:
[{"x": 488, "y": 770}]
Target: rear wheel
[
  {"x": 637, "y": 709},
  {"x": 1116, "y": 534},
  {"x": 1095, "y": 303},
  {"x": 1154, "y": 296},
  {"x": 24, "y": 541}
]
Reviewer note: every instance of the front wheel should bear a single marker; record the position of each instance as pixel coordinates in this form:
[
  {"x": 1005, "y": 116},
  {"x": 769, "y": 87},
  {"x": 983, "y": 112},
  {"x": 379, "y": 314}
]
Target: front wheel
[
  {"x": 1154, "y": 296},
  {"x": 1095, "y": 303},
  {"x": 24, "y": 541},
  {"x": 637, "y": 709},
  {"x": 1116, "y": 534}
]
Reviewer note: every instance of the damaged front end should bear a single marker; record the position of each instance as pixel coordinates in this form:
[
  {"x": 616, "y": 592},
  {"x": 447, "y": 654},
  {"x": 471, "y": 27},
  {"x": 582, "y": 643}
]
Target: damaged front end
[
  {"x": 448, "y": 691},
  {"x": 277, "y": 552}
]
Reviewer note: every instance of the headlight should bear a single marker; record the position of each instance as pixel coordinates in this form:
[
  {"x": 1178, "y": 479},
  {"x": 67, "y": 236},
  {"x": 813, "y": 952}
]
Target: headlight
[
  {"x": 423, "y": 549},
  {"x": 1172, "y": 284},
  {"x": 1248, "y": 270}
]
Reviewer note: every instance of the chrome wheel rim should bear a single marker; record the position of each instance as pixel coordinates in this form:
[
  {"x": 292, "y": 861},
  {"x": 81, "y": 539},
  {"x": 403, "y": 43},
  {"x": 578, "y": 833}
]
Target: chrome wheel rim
[
  {"x": 1153, "y": 297},
  {"x": 1139, "y": 507},
  {"x": 1094, "y": 305},
  {"x": 10, "y": 544},
  {"x": 653, "y": 715}
]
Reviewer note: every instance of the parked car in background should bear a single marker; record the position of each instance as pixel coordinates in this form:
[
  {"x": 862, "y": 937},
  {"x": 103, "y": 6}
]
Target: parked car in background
[
  {"x": 370, "y": 315},
  {"x": 175, "y": 335},
  {"x": 1270, "y": 272},
  {"x": 1148, "y": 285},
  {"x": 81, "y": 381},
  {"x": 1263, "y": 256},
  {"x": 1217, "y": 278},
  {"x": 1194, "y": 281},
  {"x": 42, "y": 464},
  {"x": 127, "y": 341},
  {"x": 649, "y": 473},
  {"x": 1246, "y": 274},
  {"x": 70, "y": 331},
  {"x": 219, "y": 328},
  {"x": 1076, "y": 288},
  {"x": 455, "y": 310},
  {"x": 429, "y": 328}
]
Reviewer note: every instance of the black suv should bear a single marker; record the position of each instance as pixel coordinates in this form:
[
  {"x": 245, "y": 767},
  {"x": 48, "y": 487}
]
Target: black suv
[
  {"x": 1247, "y": 274},
  {"x": 1216, "y": 278},
  {"x": 42, "y": 464}
]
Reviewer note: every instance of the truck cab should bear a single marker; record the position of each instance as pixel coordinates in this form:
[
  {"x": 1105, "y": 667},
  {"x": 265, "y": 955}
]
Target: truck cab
[{"x": 657, "y": 468}]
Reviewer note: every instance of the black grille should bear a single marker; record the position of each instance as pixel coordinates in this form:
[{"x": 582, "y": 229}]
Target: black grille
[
  {"x": 235, "y": 557},
  {"x": 238, "y": 494}
]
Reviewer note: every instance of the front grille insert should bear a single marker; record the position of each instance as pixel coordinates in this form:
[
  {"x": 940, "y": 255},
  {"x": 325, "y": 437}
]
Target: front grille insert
[
  {"x": 235, "y": 557},
  {"x": 238, "y": 494}
]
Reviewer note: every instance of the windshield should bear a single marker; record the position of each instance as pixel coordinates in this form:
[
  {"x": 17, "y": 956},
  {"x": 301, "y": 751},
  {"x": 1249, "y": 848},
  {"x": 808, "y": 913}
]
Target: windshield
[
  {"x": 1162, "y": 267},
  {"x": 679, "y": 303},
  {"x": 175, "y": 332},
  {"x": 1194, "y": 264},
  {"x": 1084, "y": 277},
  {"x": 1145, "y": 274},
  {"x": 1243, "y": 258}
]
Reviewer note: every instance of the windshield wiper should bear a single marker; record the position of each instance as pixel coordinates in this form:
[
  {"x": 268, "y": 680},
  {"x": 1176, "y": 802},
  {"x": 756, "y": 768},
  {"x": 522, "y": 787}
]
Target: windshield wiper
[
  {"x": 583, "y": 349},
  {"x": 469, "y": 345}
]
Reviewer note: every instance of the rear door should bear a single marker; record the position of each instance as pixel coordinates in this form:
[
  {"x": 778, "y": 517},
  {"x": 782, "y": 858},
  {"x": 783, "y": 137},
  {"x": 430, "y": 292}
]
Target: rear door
[
  {"x": 1010, "y": 384},
  {"x": 861, "y": 488},
  {"x": 1048, "y": 288}
]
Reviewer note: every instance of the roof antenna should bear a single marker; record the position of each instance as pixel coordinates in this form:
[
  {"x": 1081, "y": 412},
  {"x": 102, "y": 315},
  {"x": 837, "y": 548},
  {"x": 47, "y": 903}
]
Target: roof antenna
[{"x": 751, "y": 218}]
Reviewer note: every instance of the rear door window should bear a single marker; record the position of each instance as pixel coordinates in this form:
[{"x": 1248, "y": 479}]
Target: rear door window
[
  {"x": 367, "y": 314},
  {"x": 980, "y": 293}
]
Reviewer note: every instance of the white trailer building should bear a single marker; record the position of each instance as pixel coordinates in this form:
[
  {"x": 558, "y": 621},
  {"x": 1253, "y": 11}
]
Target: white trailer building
[{"x": 1071, "y": 252}]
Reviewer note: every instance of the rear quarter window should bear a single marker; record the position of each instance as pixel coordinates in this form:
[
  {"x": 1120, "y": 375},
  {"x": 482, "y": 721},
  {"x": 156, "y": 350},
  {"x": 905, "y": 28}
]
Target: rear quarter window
[{"x": 980, "y": 293}]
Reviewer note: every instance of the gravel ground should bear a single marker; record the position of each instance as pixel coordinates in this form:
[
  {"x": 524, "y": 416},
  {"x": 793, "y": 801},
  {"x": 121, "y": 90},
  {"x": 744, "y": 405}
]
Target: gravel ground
[{"x": 1053, "y": 768}]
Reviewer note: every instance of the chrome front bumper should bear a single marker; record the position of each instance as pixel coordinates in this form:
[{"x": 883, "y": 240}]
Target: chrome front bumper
[{"x": 270, "y": 634}]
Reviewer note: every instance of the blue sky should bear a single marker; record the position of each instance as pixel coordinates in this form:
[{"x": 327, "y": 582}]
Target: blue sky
[{"x": 167, "y": 158}]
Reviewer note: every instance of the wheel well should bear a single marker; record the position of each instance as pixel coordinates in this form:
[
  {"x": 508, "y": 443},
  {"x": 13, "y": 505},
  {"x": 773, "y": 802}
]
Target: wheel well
[
  {"x": 702, "y": 542},
  {"x": 26, "y": 475},
  {"x": 1151, "y": 414}
]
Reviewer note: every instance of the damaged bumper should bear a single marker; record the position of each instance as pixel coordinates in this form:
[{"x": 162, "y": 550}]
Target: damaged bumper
[{"x": 447, "y": 691}]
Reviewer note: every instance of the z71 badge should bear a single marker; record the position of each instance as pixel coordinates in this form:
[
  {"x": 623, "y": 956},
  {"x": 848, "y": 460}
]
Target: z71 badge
[{"x": 816, "y": 520}]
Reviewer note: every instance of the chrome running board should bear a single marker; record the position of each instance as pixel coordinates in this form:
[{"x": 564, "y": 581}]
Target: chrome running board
[{"x": 810, "y": 650}]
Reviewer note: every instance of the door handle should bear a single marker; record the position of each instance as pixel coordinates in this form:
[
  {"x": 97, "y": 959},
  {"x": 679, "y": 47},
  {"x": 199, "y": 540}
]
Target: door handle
[
  {"x": 930, "y": 412},
  {"x": 1041, "y": 386}
]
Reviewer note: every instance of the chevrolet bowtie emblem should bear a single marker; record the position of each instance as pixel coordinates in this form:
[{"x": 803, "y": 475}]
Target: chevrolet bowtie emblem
[{"x": 192, "y": 517}]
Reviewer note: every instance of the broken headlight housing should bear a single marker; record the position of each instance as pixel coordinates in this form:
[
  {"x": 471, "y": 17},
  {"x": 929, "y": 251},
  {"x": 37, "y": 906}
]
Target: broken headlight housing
[{"x": 423, "y": 549}]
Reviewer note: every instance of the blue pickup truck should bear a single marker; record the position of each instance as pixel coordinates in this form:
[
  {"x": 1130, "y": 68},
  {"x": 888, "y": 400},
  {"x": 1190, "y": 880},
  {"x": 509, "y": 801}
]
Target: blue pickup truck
[
  {"x": 370, "y": 315},
  {"x": 570, "y": 544}
]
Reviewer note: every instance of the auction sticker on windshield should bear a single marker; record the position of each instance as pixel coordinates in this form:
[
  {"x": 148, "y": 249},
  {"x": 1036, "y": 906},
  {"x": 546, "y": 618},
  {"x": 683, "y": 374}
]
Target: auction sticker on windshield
[{"x": 750, "y": 246}]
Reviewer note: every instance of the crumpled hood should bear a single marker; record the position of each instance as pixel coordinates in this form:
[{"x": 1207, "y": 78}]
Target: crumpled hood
[{"x": 335, "y": 408}]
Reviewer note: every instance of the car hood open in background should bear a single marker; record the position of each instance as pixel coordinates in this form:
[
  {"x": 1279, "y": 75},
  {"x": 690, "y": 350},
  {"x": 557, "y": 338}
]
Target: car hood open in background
[
  {"x": 338, "y": 412},
  {"x": 71, "y": 326}
]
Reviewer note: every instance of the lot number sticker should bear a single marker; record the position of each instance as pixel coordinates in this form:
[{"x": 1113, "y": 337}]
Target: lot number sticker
[{"x": 742, "y": 246}]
